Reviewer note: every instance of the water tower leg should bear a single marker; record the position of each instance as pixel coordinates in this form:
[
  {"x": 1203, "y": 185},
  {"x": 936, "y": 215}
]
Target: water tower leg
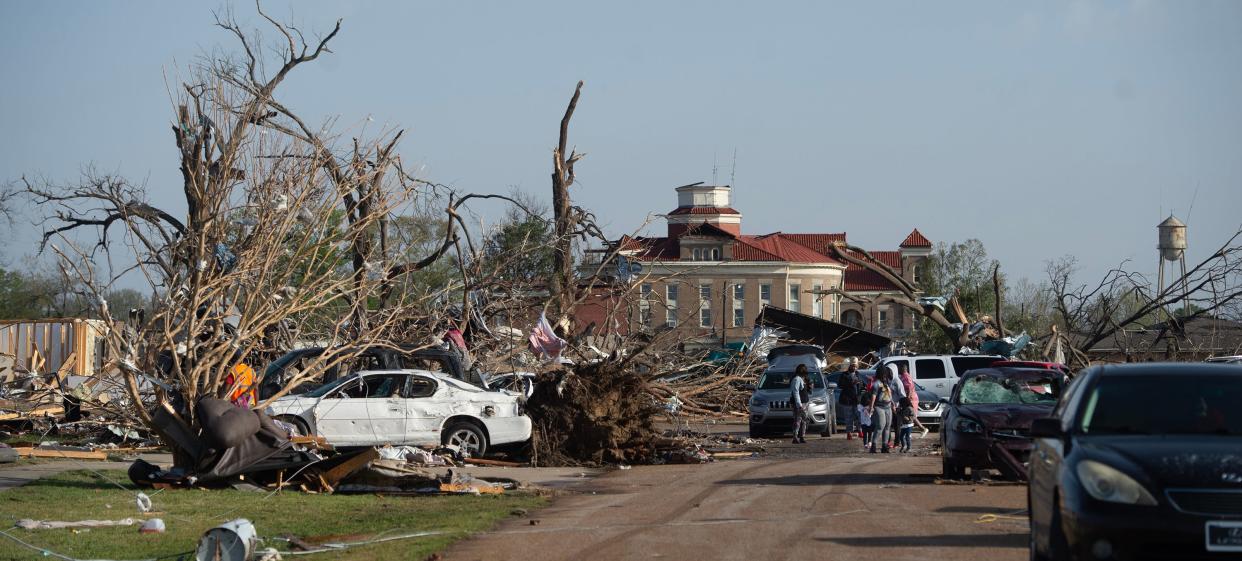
[{"x": 1185, "y": 289}]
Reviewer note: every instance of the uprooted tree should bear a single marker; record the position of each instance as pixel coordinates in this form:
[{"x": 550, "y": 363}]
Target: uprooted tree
[
  {"x": 288, "y": 232},
  {"x": 910, "y": 293}
]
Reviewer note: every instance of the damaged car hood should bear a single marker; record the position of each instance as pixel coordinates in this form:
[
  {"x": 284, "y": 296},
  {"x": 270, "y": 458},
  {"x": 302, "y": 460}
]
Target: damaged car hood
[{"x": 1006, "y": 415}]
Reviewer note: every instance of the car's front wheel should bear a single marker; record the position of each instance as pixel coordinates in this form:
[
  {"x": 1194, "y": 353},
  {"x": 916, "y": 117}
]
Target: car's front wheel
[{"x": 467, "y": 436}]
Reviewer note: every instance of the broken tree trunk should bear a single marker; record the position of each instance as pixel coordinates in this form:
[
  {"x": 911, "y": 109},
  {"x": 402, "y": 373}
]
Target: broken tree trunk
[
  {"x": 909, "y": 299},
  {"x": 958, "y": 310},
  {"x": 562, "y": 285}
]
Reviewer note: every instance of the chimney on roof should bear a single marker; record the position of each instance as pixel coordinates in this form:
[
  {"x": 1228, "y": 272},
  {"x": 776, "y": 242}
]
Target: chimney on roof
[{"x": 698, "y": 204}]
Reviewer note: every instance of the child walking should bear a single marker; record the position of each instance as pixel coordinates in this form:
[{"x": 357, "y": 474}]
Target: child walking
[
  {"x": 864, "y": 419},
  {"x": 905, "y": 420}
]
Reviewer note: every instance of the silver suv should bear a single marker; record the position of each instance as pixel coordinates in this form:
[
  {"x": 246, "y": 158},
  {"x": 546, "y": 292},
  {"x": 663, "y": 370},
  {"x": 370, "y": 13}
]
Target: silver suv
[{"x": 770, "y": 412}]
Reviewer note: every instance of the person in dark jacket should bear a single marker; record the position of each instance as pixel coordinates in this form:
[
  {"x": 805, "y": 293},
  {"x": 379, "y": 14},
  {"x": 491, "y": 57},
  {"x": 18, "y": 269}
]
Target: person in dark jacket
[{"x": 850, "y": 386}]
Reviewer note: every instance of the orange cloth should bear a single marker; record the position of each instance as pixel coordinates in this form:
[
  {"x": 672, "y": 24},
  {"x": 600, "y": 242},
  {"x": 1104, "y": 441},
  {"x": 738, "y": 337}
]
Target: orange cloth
[{"x": 241, "y": 381}]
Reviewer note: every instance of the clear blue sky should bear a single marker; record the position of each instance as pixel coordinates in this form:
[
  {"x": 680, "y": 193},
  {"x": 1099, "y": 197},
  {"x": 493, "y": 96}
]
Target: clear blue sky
[{"x": 1041, "y": 128}]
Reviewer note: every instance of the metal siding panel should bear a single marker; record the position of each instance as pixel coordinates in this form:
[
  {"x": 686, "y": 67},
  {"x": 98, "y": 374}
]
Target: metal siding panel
[
  {"x": 23, "y": 345},
  {"x": 55, "y": 348}
]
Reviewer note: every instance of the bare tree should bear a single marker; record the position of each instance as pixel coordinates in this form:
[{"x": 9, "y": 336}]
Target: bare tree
[
  {"x": 1092, "y": 313},
  {"x": 9, "y": 192},
  {"x": 287, "y": 235}
]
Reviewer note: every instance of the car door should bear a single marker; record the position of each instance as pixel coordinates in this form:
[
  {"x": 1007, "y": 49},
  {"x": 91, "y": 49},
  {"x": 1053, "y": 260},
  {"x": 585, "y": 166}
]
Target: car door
[
  {"x": 424, "y": 411},
  {"x": 932, "y": 374},
  {"x": 367, "y": 411}
]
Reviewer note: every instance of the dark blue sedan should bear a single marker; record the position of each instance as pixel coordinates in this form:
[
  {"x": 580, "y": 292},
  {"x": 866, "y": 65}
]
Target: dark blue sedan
[{"x": 1140, "y": 462}]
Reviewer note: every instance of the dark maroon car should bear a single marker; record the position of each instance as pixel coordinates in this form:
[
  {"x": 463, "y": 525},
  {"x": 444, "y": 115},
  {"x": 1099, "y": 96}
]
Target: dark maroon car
[{"x": 987, "y": 422}]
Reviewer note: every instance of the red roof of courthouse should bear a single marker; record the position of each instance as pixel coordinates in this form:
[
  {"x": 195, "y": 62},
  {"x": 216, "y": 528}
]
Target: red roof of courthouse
[
  {"x": 781, "y": 247},
  {"x": 916, "y": 239}
]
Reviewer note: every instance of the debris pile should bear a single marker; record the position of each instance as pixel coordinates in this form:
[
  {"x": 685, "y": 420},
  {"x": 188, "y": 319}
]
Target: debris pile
[
  {"x": 372, "y": 470},
  {"x": 719, "y": 384},
  {"x": 245, "y": 449},
  {"x": 592, "y": 414},
  {"x": 709, "y": 390},
  {"x": 985, "y": 337},
  {"x": 64, "y": 412},
  {"x": 31, "y": 395},
  {"x": 690, "y": 447}
]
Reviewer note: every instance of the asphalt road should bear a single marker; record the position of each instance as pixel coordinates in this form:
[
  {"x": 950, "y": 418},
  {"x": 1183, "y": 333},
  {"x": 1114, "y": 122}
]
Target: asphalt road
[{"x": 822, "y": 500}]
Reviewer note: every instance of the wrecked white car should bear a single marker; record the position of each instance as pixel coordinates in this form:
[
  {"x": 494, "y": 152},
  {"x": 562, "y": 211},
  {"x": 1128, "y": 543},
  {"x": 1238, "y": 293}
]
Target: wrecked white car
[
  {"x": 410, "y": 407},
  {"x": 517, "y": 382}
]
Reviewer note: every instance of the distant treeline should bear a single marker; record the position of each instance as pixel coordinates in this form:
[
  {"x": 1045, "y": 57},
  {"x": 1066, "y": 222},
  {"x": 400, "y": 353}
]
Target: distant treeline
[{"x": 37, "y": 295}]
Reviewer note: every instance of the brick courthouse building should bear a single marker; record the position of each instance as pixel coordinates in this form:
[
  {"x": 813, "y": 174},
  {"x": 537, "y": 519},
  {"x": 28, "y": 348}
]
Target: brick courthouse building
[{"x": 706, "y": 278}]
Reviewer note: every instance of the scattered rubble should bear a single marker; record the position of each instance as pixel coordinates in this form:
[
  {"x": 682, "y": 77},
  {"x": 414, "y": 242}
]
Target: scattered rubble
[
  {"x": 245, "y": 447},
  {"x": 689, "y": 447},
  {"x": 56, "y": 406}
]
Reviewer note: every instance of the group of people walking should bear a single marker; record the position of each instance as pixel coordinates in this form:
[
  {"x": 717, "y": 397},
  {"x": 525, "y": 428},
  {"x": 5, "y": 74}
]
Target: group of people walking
[{"x": 882, "y": 410}]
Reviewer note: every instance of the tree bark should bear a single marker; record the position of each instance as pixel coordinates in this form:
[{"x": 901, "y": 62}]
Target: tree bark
[
  {"x": 562, "y": 282},
  {"x": 851, "y": 254}
]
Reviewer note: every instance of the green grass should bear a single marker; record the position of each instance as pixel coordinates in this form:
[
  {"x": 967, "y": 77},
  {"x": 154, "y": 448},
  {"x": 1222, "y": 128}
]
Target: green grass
[{"x": 80, "y": 495}]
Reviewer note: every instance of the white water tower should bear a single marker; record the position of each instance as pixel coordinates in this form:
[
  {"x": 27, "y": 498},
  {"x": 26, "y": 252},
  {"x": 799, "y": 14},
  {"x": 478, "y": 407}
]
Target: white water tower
[{"x": 1172, "y": 247}]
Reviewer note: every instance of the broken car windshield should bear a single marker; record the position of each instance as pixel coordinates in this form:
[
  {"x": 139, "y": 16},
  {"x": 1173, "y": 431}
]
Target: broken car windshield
[{"x": 985, "y": 389}]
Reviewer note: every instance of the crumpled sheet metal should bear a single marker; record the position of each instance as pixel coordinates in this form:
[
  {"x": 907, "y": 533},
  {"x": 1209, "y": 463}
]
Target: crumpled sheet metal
[{"x": 412, "y": 455}]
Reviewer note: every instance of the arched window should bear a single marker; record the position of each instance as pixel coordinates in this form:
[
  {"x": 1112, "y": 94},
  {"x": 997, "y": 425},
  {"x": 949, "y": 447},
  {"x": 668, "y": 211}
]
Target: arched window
[
  {"x": 698, "y": 254},
  {"x": 851, "y": 318},
  {"x": 716, "y": 254}
]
